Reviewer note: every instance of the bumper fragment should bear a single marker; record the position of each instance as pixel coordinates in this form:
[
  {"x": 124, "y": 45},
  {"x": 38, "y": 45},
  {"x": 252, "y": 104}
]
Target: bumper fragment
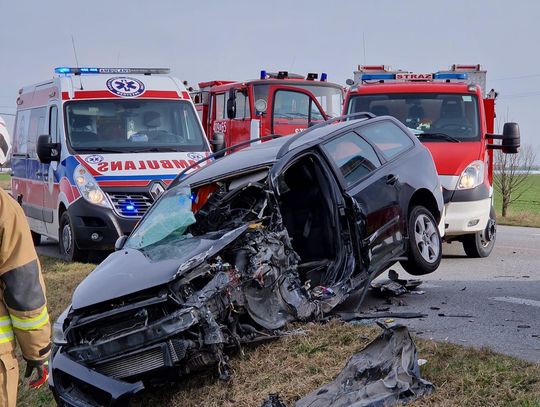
[{"x": 74, "y": 385}]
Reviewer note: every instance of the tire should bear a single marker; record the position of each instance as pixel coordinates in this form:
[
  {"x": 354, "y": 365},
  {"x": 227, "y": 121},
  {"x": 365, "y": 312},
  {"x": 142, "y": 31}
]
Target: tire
[
  {"x": 481, "y": 243},
  {"x": 36, "y": 238},
  {"x": 67, "y": 243},
  {"x": 425, "y": 243}
]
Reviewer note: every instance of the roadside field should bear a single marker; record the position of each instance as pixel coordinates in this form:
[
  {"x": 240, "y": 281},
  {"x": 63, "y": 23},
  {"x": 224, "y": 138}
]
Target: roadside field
[
  {"x": 526, "y": 210},
  {"x": 5, "y": 180},
  {"x": 297, "y": 364}
]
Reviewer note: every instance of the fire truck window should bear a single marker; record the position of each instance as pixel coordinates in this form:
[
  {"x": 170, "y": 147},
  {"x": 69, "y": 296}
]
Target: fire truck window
[
  {"x": 353, "y": 156},
  {"x": 53, "y": 123},
  {"x": 388, "y": 137},
  {"x": 220, "y": 106},
  {"x": 242, "y": 106}
]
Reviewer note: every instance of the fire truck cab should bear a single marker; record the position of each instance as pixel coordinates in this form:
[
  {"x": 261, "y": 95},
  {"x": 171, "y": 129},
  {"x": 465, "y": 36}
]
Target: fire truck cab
[
  {"x": 93, "y": 148},
  {"x": 275, "y": 104},
  {"x": 451, "y": 114}
]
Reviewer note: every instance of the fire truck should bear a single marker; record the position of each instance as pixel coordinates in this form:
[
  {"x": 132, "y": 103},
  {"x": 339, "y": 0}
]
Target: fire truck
[
  {"x": 279, "y": 103},
  {"x": 450, "y": 112}
]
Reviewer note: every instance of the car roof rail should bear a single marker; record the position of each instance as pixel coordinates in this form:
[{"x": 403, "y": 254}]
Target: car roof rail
[
  {"x": 291, "y": 139},
  {"x": 219, "y": 153}
]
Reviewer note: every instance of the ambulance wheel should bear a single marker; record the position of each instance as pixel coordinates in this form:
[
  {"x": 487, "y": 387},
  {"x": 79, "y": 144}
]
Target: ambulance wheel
[
  {"x": 425, "y": 244},
  {"x": 66, "y": 241},
  {"x": 36, "y": 238},
  {"x": 481, "y": 243}
]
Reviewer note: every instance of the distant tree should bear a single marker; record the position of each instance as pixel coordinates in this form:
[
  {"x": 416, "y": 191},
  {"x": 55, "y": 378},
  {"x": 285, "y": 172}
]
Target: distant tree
[{"x": 511, "y": 175}]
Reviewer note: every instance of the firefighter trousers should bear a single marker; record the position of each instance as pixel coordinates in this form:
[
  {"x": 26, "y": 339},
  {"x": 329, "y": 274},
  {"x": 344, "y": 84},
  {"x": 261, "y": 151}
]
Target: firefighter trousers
[{"x": 9, "y": 379}]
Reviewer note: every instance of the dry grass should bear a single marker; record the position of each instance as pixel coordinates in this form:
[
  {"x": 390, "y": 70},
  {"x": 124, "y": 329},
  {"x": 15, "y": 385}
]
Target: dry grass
[
  {"x": 295, "y": 365},
  {"x": 520, "y": 219}
]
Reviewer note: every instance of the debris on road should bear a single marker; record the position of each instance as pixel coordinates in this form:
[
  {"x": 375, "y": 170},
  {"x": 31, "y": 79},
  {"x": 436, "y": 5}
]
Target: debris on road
[
  {"x": 395, "y": 286},
  {"x": 350, "y": 316},
  {"x": 523, "y": 326},
  {"x": 385, "y": 372},
  {"x": 455, "y": 315}
]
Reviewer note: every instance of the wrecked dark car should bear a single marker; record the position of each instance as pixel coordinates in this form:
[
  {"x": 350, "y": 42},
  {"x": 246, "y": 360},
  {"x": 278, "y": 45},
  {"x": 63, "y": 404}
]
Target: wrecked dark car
[{"x": 281, "y": 231}]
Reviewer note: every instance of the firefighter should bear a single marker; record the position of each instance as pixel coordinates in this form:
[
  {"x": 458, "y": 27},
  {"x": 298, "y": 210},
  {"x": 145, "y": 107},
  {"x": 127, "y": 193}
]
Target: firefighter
[{"x": 23, "y": 307}]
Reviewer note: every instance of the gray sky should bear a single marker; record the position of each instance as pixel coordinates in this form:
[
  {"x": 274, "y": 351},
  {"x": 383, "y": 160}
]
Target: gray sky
[{"x": 204, "y": 40}]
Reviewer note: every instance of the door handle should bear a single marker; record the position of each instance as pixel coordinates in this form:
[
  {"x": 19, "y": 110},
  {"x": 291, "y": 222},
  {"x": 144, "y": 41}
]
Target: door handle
[{"x": 391, "y": 179}]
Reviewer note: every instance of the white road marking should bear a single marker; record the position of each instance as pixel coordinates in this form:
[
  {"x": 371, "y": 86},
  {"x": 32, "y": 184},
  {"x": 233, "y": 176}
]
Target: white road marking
[{"x": 515, "y": 300}]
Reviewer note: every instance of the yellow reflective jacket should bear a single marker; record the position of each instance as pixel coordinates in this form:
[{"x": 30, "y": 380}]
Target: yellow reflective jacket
[{"x": 23, "y": 306}]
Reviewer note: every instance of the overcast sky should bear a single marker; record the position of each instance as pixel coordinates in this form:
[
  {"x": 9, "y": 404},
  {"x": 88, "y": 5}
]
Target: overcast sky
[{"x": 205, "y": 40}]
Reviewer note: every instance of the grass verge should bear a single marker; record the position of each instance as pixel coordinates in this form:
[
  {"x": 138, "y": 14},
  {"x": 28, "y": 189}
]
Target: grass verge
[
  {"x": 295, "y": 365},
  {"x": 5, "y": 180},
  {"x": 525, "y": 211}
]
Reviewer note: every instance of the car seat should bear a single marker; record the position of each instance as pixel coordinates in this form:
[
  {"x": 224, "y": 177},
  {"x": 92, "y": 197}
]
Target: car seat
[{"x": 81, "y": 129}]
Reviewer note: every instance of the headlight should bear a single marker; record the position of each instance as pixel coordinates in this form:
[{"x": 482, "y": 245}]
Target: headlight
[
  {"x": 472, "y": 176},
  {"x": 58, "y": 337},
  {"x": 89, "y": 188}
]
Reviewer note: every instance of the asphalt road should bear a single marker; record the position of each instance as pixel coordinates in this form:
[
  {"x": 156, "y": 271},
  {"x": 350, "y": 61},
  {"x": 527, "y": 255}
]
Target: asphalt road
[{"x": 492, "y": 302}]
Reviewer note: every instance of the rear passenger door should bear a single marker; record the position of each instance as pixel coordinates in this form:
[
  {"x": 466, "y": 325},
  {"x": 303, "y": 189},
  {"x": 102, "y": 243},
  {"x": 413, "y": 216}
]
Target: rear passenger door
[{"x": 371, "y": 180}]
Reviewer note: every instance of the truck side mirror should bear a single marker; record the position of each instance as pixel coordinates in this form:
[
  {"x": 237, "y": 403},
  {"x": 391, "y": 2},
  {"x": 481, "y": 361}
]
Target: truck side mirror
[
  {"x": 231, "y": 104},
  {"x": 46, "y": 150},
  {"x": 510, "y": 139},
  {"x": 218, "y": 142}
]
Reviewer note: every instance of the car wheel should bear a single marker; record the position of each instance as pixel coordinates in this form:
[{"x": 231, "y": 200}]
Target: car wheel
[
  {"x": 481, "y": 243},
  {"x": 425, "y": 245},
  {"x": 66, "y": 241},
  {"x": 36, "y": 238}
]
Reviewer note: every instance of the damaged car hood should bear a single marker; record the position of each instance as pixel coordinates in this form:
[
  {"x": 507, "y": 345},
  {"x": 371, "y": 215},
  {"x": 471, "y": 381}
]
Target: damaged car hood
[{"x": 129, "y": 271}]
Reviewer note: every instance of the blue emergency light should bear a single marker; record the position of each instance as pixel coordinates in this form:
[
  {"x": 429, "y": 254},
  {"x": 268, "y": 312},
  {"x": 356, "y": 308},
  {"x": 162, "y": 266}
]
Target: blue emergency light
[
  {"x": 263, "y": 74},
  {"x": 462, "y": 76},
  {"x": 324, "y": 76},
  {"x": 64, "y": 70},
  {"x": 130, "y": 208}
]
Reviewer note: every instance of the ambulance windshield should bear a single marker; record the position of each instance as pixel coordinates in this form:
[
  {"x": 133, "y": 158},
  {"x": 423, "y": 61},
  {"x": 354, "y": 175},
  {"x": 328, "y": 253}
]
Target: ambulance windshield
[
  {"x": 428, "y": 115},
  {"x": 127, "y": 126}
]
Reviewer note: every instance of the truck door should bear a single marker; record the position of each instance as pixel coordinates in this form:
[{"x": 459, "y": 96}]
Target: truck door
[
  {"x": 219, "y": 117},
  {"x": 50, "y": 175},
  {"x": 292, "y": 110},
  {"x": 239, "y": 118}
]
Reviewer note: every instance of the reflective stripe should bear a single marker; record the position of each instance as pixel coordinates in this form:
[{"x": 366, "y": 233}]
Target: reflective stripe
[
  {"x": 28, "y": 324},
  {"x": 6, "y": 333}
]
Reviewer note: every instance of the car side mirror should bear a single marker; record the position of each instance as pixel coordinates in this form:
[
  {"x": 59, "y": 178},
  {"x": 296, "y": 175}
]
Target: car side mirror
[
  {"x": 510, "y": 139},
  {"x": 120, "y": 242},
  {"x": 46, "y": 150}
]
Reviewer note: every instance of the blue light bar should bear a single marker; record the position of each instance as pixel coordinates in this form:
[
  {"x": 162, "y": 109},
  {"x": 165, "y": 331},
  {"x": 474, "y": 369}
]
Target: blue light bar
[
  {"x": 263, "y": 74},
  {"x": 378, "y": 76},
  {"x": 324, "y": 76},
  {"x": 64, "y": 70},
  {"x": 462, "y": 76}
]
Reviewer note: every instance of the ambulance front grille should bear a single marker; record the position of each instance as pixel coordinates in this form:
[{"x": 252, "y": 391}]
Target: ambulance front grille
[{"x": 130, "y": 205}]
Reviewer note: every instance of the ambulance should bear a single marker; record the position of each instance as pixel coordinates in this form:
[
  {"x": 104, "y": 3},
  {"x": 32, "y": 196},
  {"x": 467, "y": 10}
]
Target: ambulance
[{"x": 93, "y": 148}]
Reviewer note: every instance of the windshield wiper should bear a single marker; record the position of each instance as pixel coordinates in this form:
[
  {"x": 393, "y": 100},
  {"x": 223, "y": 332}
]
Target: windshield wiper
[
  {"x": 98, "y": 150},
  {"x": 155, "y": 150},
  {"x": 438, "y": 135}
]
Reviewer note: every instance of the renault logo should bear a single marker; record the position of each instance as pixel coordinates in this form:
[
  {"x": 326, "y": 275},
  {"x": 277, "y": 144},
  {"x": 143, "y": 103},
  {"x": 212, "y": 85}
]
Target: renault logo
[{"x": 156, "y": 190}]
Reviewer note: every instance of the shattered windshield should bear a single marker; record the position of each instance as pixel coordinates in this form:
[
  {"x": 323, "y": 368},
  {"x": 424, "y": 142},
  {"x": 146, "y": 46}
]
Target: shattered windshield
[
  {"x": 169, "y": 218},
  {"x": 428, "y": 115}
]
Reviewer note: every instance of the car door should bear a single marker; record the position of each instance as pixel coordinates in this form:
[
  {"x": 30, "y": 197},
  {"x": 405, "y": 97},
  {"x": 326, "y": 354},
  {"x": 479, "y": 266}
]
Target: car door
[{"x": 372, "y": 188}]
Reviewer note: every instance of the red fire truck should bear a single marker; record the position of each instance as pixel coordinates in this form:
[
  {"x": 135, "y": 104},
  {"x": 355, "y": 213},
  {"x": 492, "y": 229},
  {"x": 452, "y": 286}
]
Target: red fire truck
[
  {"x": 450, "y": 112},
  {"x": 277, "y": 103}
]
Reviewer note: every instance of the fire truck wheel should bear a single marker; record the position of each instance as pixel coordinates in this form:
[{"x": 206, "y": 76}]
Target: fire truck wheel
[
  {"x": 36, "y": 238},
  {"x": 425, "y": 244},
  {"x": 481, "y": 243},
  {"x": 66, "y": 241}
]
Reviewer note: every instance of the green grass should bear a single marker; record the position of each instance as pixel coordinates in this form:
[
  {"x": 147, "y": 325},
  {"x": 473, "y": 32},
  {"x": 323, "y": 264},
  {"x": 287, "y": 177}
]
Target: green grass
[
  {"x": 295, "y": 365},
  {"x": 526, "y": 210},
  {"x": 5, "y": 180}
]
